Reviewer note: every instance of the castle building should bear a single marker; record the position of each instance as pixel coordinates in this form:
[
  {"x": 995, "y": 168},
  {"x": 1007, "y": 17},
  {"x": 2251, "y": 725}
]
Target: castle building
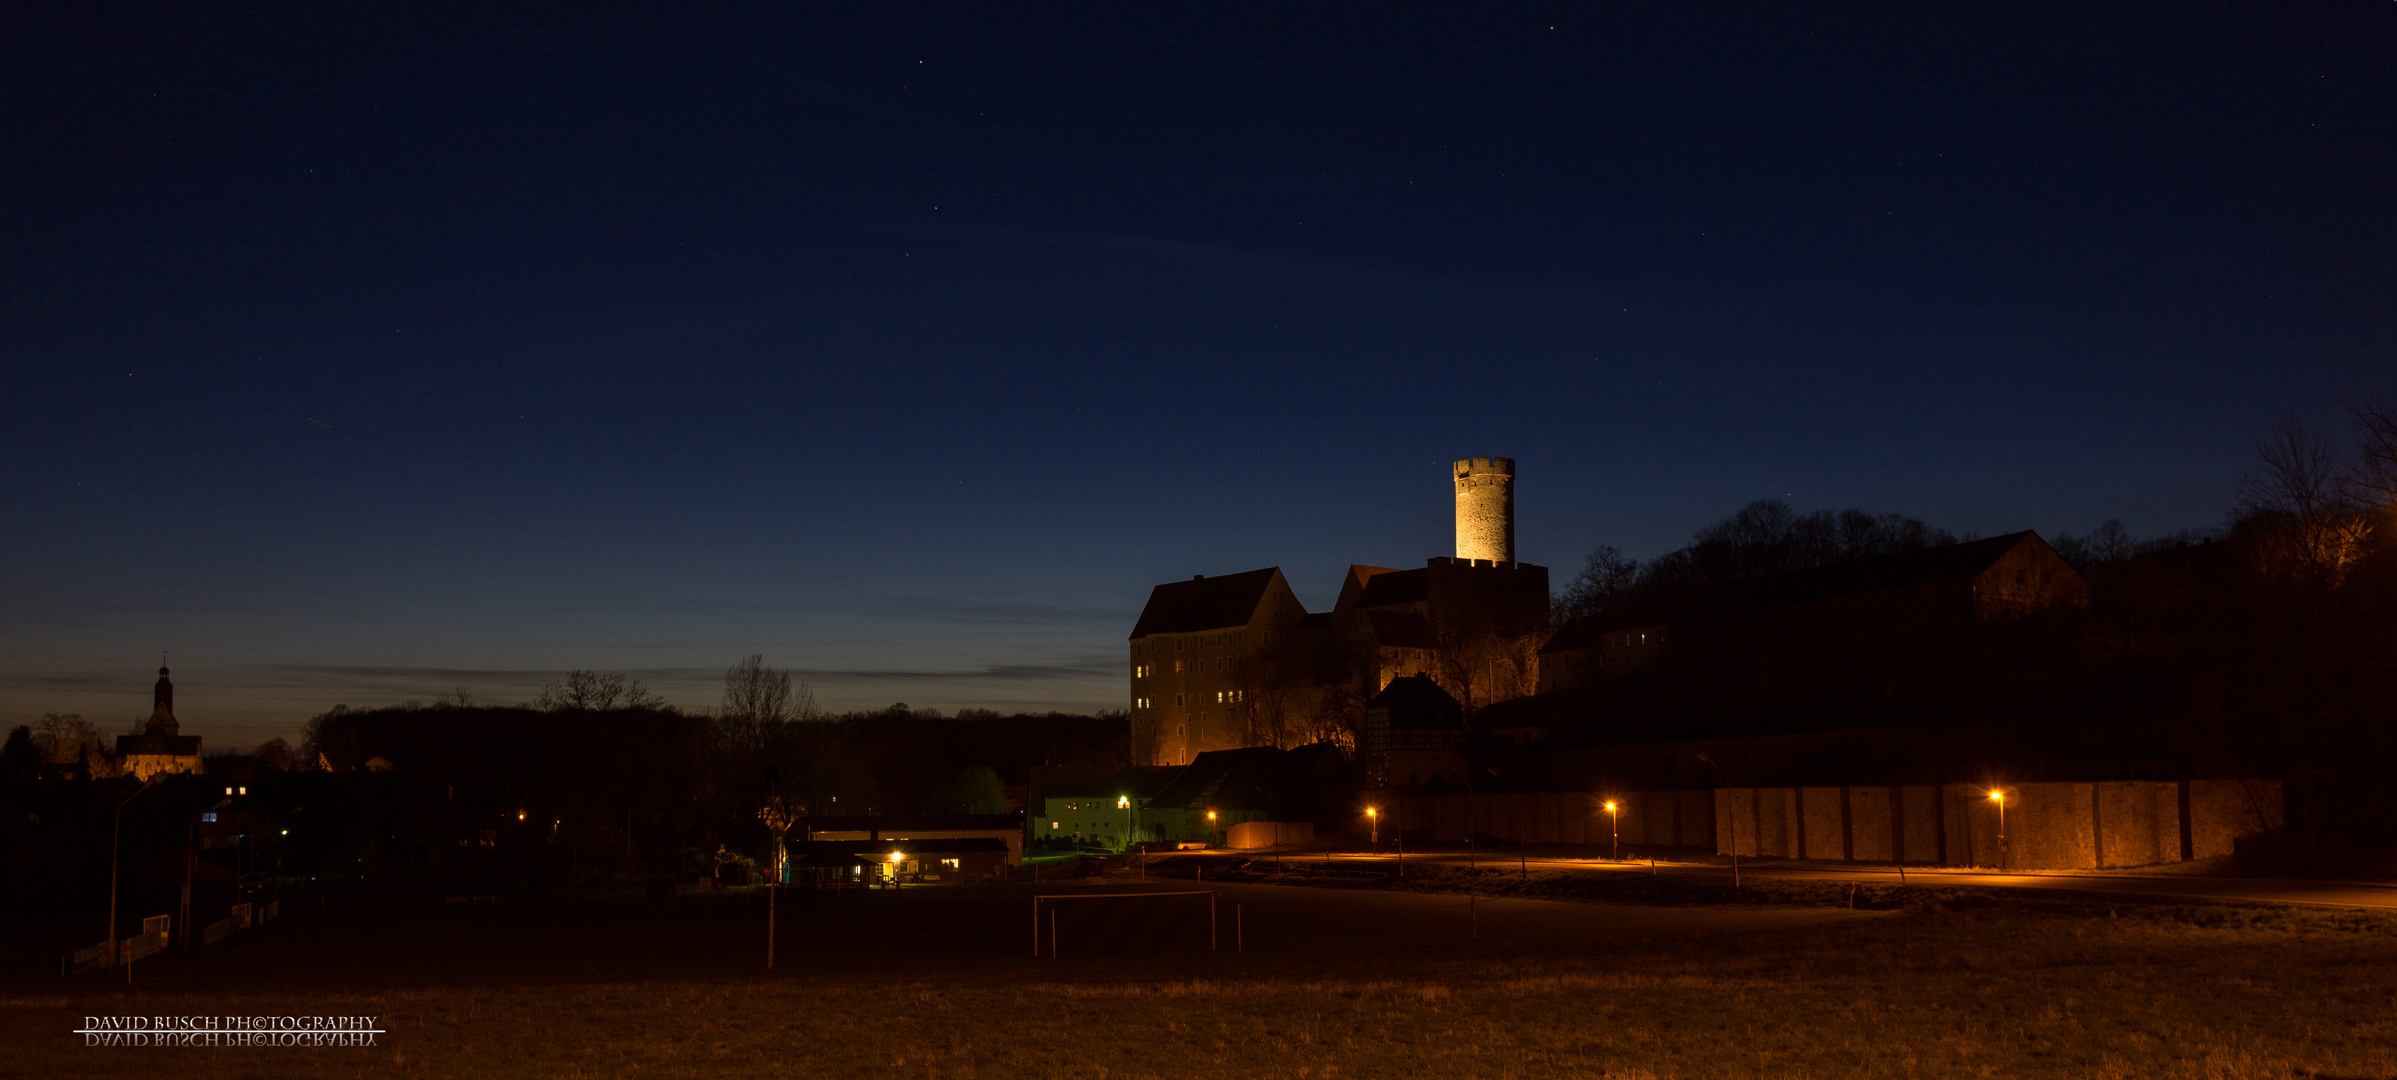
[
  {"x": 161, "y": 747},
  {"x": 1193, "y": 645},
  {"x": 1219, "y": 663}
]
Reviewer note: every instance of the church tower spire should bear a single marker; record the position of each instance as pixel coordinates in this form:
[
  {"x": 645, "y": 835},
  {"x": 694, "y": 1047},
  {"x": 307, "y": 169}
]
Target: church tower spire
[{"x": 162, "y": 705}]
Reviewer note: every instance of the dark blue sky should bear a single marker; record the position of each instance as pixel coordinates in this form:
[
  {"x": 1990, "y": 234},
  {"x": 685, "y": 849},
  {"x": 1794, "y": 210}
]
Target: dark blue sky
[{"x": 357, "y": 359}]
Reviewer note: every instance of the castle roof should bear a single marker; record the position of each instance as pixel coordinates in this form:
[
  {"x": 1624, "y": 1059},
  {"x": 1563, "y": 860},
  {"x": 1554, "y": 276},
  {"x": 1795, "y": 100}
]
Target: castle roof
[
  {"x": 1205, "y": 603},
  {"x": 1395, "y": 587},
  {"x": 1944, "y": 564}
]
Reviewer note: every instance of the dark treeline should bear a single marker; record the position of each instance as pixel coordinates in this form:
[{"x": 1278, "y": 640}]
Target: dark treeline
[
  {"x": 660, "y": 784},
  {"x": 1764, "y": 537},
  {"x": 2265, "y": 646}
]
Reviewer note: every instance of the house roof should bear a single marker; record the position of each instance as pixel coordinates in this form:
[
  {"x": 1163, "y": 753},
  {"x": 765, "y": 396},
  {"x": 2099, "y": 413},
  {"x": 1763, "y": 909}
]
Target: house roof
[
  {"x": 1417, "y": 702},
  {"x": 1881, "y": 573},
  {"x": 854, "y": 852},
  {"x": 1138, "y": 782},
  {"x": 1250, "y": 778},
  {"x": 925, "y": 823},
  {"x": 1204, "y": 603}
]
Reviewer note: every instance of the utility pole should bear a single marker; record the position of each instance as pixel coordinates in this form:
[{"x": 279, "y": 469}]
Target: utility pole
[{"x": 116, "y": 847}]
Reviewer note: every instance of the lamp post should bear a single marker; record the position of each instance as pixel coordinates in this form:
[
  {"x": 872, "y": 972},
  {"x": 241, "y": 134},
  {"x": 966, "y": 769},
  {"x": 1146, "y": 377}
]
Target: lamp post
[
  {"x": 1210, "y": 828},
  {"x": 1614, "y": 825},
  {"x": 1373, "y": 820},
  {"x": 1124, "y": 803},
  {"x": 116, "y": 847},
  {"x": 1731, "y": 814},
  {"x": 1998, "y": 796}
]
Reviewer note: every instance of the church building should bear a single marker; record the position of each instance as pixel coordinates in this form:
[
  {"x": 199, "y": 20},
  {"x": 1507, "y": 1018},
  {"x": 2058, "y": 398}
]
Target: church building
[{"x": 160, "y": 748}]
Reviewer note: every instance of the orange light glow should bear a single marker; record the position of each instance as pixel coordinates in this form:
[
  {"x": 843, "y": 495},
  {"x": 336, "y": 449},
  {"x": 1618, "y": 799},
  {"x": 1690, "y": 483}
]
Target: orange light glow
[{"x": 1610, "y": 807}]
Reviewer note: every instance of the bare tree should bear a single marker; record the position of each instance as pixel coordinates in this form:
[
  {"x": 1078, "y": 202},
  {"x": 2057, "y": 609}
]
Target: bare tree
[
  {"x": 63, "y": 738},
  {"x": 2375, "y": 475},
  {"x": 597, "y": 691},
  {"x": 275, "y": 754},
  {"x": 1604, "y": 585},
  {"x": 2303, "y": 485},
  {"x": 755, "y": 692}
]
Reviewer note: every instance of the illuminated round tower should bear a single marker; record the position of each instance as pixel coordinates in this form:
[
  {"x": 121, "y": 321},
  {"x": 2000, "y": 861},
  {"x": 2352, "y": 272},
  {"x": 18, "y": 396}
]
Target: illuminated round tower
[{"x": 1486, "y": 509}]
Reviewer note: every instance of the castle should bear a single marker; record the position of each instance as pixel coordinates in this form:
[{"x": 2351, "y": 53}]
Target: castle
[{"x": 1235, "y": 660}]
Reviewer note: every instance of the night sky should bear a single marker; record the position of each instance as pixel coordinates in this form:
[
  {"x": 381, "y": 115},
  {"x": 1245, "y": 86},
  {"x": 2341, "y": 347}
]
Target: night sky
[{"x": 359, "y": 359}]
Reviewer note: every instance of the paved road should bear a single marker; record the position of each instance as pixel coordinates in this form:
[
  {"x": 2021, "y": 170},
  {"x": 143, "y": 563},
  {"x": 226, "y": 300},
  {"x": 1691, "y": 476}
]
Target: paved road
[{"x": 2266, "y": 890}]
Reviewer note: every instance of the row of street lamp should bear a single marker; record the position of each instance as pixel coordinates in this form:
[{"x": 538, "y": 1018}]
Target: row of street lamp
[
  {"x": 1614, "y": 815},
  {"x": 1373, "y": 816}
]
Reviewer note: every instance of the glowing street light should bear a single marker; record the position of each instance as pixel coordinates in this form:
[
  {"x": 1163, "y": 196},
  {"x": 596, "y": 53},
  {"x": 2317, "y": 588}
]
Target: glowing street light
[
  {"x": 1614, "y": 824},
  {"x": 1124, "y": 803},
  {"x": 1373, "y": 818},
  {"x": 1998, "y": 796}
]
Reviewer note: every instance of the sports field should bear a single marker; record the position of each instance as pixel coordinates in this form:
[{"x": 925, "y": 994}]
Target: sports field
[{"x": 1325, "y": 982}]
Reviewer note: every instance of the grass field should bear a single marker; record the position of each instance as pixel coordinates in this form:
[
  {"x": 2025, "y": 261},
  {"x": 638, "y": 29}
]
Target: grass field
[{"x": 1332, "y": 983}]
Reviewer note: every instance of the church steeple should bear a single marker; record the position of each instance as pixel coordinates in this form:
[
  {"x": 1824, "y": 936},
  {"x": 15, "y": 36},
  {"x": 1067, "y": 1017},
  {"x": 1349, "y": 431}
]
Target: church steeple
[{"x": 162, "y": 705}]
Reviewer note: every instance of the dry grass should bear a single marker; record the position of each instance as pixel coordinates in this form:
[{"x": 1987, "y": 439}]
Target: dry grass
[{"x": 1998, "y": 989}]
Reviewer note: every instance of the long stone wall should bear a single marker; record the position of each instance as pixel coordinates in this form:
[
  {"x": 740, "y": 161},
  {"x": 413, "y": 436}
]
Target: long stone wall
[{"x": 2049, "y": 826}]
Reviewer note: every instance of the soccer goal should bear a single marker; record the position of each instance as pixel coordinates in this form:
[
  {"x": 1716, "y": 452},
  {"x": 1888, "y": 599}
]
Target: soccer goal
[{"x": 1125, "y": 922}]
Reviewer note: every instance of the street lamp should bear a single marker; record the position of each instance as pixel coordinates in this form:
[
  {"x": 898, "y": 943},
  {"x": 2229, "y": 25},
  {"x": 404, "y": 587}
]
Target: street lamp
[
  {"x": 1614, "y": 824},
  {"x": 1998, "y": 796},
  {"x": 1210, "y": 828},
  {"x": 1373, "y": 818},
  {"x": 1124, "y": 803}
]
